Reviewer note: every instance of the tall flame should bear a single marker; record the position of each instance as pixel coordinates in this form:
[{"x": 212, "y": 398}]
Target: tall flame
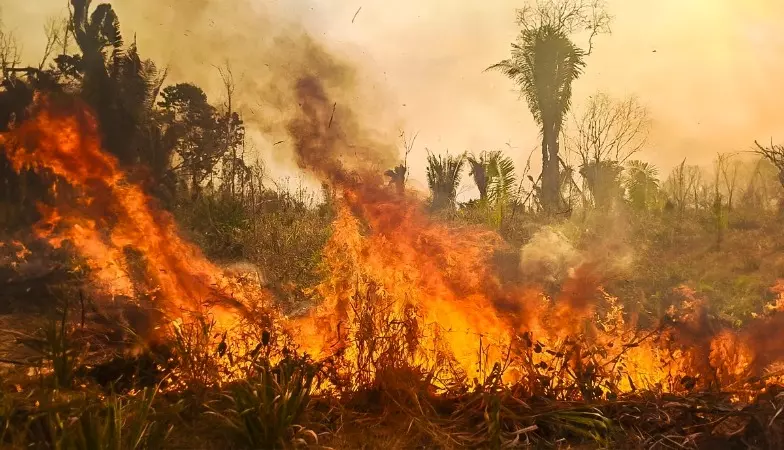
[{"x": 109, "y": 216}]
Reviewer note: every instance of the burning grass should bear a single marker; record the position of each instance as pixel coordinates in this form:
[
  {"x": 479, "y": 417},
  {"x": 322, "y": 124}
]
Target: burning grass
[
  {"x": 414, "y": 339},
  {"x": 203, "y": 383}
]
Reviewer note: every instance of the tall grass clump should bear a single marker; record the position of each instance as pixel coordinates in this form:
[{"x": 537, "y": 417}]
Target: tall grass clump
[
  {"x": 115, "y": 423},
  {"x": 266, "y": 409},
  {"x": 55, "y": 349}
]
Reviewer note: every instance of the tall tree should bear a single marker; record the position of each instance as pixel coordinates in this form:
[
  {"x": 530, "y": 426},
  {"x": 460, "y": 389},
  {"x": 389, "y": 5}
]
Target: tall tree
[
  {"x": 606, "y": 134},
  {"x": 544, "y": 63},
  {"x": 119, "y": 85},
  {"x": 443, "y": 178},
  {"x": 198, "y": 132}
]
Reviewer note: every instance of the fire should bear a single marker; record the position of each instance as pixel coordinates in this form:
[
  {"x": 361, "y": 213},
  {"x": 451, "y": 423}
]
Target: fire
[
  {"x": 407, "y": 282},
  {"x": 22, "y": 251},
  {"x": 111, "y": 217},
  {"x": 400, "y": 289}
]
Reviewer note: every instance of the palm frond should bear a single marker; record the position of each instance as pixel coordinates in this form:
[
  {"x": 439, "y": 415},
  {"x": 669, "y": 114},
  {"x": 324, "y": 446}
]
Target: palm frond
[
  {"x": 544, "y": 64},
  {"x": 502, "y": 178},
  {"x": 105, "y": 26},
  {"x": 641, "y": 183},
  {"x": 443, "y": 178}
]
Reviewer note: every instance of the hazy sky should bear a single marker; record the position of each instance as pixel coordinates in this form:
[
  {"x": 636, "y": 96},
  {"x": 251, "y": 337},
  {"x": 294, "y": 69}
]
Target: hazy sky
[{"x": 712, "y": 84}]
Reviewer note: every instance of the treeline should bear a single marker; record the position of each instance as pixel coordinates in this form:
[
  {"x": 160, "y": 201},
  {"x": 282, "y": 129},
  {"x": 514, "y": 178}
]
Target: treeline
[{"x": 168, "y": 136}]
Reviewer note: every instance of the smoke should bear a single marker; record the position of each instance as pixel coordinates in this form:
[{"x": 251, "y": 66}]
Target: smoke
[
  {"x": 328, "y": 140},
  {"x": 707, "y": 84},
  {"x": 264, "y": 46},
  {"x": 549, "y": 257}
]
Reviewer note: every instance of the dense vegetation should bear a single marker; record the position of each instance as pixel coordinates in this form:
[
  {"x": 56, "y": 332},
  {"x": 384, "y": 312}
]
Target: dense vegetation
[{"x": 714, "y": 229}]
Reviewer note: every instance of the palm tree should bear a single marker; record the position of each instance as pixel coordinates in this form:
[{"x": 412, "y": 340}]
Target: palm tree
[
  {"x": 494, "y": 175},
  {"x": 544, "y": 64},
  {"x": 641, "y": 183},
  {"x": 603, "y": 179},
  {"x": 397, "y": 178},
  {"x": 443, "y": 178},
  {"x": 119, "y": 85}
]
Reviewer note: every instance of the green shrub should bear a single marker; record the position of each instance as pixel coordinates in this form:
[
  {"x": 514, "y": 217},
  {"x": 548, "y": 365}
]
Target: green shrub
[{"x": 265, "y": 410}]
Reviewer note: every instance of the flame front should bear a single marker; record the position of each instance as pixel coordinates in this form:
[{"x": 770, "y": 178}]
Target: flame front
[{"x": 399, "y": 287}]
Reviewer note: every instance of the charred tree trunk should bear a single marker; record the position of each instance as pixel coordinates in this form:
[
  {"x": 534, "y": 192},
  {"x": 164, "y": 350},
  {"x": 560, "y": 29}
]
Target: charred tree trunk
[{"x": 550, "y": 172}]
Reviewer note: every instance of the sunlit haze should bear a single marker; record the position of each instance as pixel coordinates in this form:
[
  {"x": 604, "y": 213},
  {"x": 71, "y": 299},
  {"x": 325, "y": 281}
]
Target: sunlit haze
[{"x": 708, "y": 70}]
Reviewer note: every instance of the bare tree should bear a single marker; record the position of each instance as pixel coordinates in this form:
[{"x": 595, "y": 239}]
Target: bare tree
[
  {"x": 567, "y": 16},
  {"x": 762, "y": 186},
  {"x": 683, "y": 185},
  {"x": 399, "y": 174},
  {"x": 609, "y": 129},
  {"x": 56, "y": 33},
  {"x": 10, "y": 52},
  {"x": 727, "y": 176},
  {"x": 773, "y": 153},
  {"x": 700, "y": 189},
  {"x": 605, "y": 135},
  {"x": 227, "y": 77}
]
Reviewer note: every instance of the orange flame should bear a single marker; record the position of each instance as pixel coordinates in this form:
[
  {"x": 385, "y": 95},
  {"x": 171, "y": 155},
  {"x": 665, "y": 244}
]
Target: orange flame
[{"x": 112, "y": 215}]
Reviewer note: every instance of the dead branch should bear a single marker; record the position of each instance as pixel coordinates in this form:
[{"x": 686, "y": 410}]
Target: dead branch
[
  {"x": 609, "y": 130},
  {"x": 568, "y": 16}
]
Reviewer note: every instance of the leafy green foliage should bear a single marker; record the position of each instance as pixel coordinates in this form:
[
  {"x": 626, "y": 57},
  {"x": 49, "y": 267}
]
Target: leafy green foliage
[
  {"x": 120, "y": 423},
  {"x": 194, "y": 344},
  {"x": 603, "y": 179},
  {"x": 88, "y": 422},
  {"x": 217, "y": 222},
  {"x": 281, "y": 232},
  {"x": 587, "y": 424},
  {"x": 199, "y": 134}
]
